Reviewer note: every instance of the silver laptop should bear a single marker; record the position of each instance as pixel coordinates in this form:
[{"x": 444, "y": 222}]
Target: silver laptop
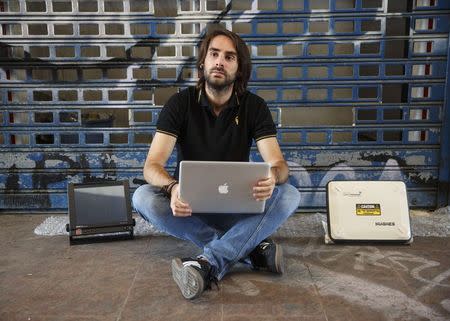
[{"x": 221, "y": 187}]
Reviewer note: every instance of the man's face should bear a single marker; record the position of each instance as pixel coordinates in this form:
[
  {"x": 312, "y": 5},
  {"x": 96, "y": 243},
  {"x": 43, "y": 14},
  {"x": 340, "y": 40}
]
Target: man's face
[{"x": 221, "y": 63}]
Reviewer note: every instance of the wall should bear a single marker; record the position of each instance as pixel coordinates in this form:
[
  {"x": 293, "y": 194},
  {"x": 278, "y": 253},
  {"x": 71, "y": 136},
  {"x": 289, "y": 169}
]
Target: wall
[{"x": 357, "y": 89}]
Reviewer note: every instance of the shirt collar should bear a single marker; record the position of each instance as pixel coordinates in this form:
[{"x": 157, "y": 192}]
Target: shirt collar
[{"x": 203, "y": 100}]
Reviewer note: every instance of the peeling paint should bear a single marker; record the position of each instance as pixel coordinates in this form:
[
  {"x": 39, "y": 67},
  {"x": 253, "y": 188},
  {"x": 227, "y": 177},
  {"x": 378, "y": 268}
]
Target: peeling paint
[
  {"x": 418, "y": 160},
  {"x": 350, "y": 158},
  {"x": 425, "y": 176}
]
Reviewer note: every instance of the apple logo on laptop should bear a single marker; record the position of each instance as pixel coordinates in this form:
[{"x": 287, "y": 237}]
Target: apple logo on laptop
[{"x": 223, "y": 189}]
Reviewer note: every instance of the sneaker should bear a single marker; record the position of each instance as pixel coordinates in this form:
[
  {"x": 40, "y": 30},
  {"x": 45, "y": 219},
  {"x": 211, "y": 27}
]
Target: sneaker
[
  {"x": 193, "y": 276},
  {"x": 268, "y": 256}
]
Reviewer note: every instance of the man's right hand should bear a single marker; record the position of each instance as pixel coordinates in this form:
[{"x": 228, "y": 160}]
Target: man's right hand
[{"x": 179, "y": 208}]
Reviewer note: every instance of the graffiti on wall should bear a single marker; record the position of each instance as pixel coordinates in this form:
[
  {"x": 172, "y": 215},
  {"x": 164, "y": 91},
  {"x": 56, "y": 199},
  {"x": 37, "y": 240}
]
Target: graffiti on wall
[{"x": 19, "y": 175}]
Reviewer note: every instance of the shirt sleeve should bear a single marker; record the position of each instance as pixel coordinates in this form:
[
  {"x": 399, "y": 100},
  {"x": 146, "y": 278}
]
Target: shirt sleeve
[
  {"x": 170, "y": 118},
  {"x": 264, "y": 125}
]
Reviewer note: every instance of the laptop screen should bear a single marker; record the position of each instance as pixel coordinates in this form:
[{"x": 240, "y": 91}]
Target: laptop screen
[{"x": 100, "y": 205}]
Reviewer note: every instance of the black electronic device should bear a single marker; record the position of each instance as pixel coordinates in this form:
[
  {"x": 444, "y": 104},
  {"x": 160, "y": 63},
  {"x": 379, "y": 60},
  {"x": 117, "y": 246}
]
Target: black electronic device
[{"x": 99, "y": 212}]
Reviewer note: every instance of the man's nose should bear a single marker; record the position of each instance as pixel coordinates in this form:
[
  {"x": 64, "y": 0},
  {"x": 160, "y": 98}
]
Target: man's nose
[{"x": 219, "y": 61}]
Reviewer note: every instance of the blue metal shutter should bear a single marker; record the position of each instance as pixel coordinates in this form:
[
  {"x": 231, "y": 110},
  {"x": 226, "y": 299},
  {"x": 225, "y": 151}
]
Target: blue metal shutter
[{"x": 358, "y": 89}]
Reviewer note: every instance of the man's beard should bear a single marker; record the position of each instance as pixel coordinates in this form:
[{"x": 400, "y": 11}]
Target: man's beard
[{"x": 219, "y": 85}]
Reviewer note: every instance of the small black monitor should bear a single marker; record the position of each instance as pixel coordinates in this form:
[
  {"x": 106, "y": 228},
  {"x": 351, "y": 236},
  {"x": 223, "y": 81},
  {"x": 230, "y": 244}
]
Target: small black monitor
[{"x": 99, "y": 210}]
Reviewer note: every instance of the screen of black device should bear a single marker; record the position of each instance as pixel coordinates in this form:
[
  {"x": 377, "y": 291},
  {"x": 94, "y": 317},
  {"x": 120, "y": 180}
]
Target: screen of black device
[{"x": 100, "y": 205}]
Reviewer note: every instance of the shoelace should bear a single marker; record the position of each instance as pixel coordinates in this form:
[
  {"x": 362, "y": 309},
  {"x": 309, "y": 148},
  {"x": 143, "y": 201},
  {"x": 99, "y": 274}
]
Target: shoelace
[
  {"x": 264, "y": 245},
  {"x": 192, "y": 263}
]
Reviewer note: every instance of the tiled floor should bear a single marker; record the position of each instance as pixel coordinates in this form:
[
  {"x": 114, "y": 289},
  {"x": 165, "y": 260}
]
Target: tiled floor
[{"x": 43, "y": 278}]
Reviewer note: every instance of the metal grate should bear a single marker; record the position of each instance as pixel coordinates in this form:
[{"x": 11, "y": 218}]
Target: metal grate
[{"x": 357, "y": 89}]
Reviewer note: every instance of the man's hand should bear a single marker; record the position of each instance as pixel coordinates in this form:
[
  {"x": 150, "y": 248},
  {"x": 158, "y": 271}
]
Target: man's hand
[
  {"x": 179, "y": 208},
  {"x": 264, "y": 188}
]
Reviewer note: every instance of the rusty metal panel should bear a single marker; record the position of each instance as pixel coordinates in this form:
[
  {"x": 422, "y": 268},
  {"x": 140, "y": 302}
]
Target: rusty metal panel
[{"x": 357, "y": 89}]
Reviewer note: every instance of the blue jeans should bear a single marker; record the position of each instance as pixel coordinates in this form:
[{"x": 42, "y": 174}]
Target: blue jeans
[{"x": 224, "y": 238}]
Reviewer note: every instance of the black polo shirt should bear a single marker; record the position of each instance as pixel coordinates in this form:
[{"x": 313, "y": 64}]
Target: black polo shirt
[{"x": 201, "y": 135}]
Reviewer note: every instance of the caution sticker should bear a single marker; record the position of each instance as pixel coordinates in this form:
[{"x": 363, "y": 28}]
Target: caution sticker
[{"x": 368, "y": 209}]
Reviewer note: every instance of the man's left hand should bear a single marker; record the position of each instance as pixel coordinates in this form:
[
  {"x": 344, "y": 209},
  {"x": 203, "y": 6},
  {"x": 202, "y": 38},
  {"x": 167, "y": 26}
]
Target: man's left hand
[{"x": 264, "y": 188}]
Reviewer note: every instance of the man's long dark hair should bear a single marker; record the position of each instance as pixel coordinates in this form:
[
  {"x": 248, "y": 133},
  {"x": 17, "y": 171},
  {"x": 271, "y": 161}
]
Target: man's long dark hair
[{"x": 243, "y": 57}]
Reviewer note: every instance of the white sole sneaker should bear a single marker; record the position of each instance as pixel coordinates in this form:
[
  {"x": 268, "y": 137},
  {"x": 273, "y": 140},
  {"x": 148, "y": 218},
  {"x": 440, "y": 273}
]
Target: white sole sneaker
[{"x": 188, "y": 279}]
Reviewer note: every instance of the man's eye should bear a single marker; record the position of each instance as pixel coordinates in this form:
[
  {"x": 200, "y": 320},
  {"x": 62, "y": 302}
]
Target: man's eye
[
  {"x": 214, "y": 54},
  {"x": 230, "y": 58}
]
